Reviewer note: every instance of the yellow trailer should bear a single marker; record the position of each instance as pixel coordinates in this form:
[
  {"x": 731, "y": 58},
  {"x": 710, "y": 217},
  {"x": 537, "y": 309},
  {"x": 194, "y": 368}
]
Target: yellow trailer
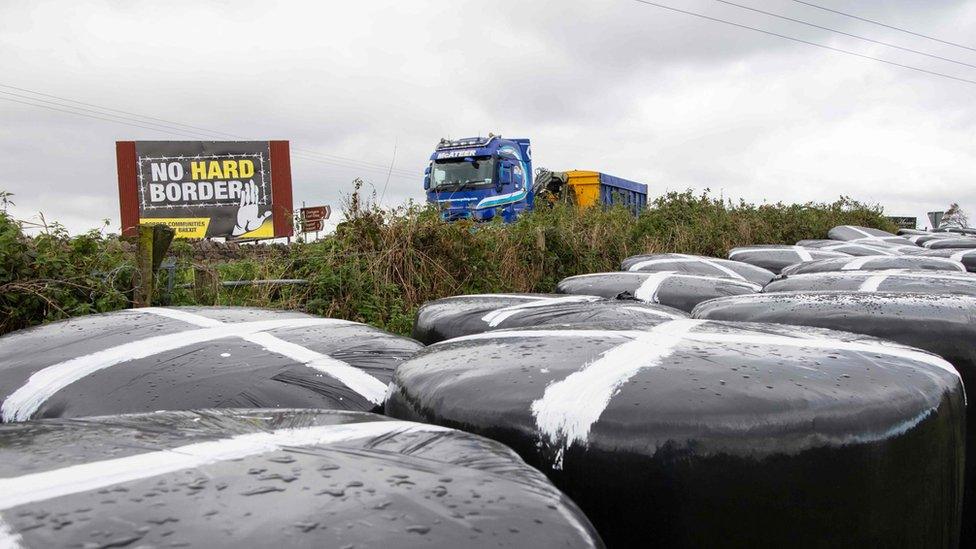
[{"x": 588, "y": 188}]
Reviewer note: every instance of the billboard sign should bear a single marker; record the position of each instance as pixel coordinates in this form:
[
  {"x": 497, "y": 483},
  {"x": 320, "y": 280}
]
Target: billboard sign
[
  {"x": 904, "y": 222},
  {"x": 202, "y": 189}
]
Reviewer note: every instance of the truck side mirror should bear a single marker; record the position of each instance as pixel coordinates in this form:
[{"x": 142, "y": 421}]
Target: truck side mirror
[{"x": 427, "y": 178}]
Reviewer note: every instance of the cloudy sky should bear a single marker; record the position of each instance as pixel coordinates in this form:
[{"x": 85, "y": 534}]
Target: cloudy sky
[{"x": 634, "y": 90}]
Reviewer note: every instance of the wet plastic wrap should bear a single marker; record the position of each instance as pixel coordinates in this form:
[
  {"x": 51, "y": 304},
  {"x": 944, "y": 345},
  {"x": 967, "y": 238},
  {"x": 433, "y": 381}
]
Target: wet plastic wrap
[
  {"x": 711, "y": 434},
  {"x": 899, "y": 281},
  {"x": 774, "y": 257},
  {"x": 876, "y": 263},
  {"x": 942, "y": 324},
  {"x": 849, "y": 248},
  {"x": 471, "y": 314},
  {"x": 966, "y": 256},
  {"x": 680, "y": 291},
  {"x": 855, "y": 232},
  {"x": 921, "y": 239},
  {"x": 142, "y": 360},
  {"x": 272, "y": 478},
  {"x": 946, "y": 243},
  {"x": 887, "y": 241},
  {"x": 697, "y": 265}
]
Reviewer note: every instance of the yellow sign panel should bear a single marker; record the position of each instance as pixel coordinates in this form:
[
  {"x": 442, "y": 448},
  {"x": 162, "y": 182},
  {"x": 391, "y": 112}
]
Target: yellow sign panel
[
  {"x": 266, "y": 230},
  {"x": 185, "y": 227}
]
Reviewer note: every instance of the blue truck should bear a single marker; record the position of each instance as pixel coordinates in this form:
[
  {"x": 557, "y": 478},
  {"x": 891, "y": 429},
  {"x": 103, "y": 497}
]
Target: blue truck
[{"x": 480, "y": 178}]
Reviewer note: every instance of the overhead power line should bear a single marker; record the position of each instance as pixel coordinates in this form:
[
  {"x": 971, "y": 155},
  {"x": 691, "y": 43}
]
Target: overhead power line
[
  {"x": 176, "y": 128},
  {"x": 177, "y": 133},
  {"x": 880, "y": 24},
  {"x": 807, "y": 42},
  {"x": 888, "y": 44}
]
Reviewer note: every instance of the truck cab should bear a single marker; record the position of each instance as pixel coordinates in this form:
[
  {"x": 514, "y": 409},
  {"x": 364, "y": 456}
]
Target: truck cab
[{"x": 479, "y": 178}]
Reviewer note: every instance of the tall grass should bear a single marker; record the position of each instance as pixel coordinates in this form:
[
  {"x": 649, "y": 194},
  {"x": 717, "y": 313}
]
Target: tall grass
[{"x": 380, "y": 265}]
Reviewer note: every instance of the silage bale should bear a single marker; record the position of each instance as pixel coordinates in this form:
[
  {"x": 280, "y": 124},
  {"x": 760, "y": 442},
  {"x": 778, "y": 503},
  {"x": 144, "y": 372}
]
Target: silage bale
[
  {"x": 899, "y": 281},
  {"x": 860, "y": 250},
  {"x": 471, "y": 314},
  {"x": 966, "y": 256},
  {"x": 272, "y": 478},
  {"x": 707, "y": 434},
  {"x": 941, "y": 324},
  {"x": 856, "y": 232},
  {"x": 698, "y": 265},
  {"x": 921, "y": 239},
  {"x": 946, "y": 243},
  {"x": 774, "y": 257},
  {"x": 155, "y": 358},
  {"x": 681, "y": 291},
  {"x": 875, "y": 263}
]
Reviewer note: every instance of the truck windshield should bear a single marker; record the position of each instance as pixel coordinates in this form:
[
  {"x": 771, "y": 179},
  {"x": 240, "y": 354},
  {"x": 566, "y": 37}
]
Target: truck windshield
[{"x": 454, "y": 175}]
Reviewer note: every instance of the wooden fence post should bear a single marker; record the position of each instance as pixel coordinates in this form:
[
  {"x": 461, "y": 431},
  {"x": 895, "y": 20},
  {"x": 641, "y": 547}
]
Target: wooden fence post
[
  {"x": 205, "y": 285},
  {"x": 151, "y": 247}
]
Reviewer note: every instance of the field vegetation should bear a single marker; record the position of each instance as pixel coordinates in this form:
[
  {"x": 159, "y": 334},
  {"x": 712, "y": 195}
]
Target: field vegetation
[{"x": 380, "y": 265}]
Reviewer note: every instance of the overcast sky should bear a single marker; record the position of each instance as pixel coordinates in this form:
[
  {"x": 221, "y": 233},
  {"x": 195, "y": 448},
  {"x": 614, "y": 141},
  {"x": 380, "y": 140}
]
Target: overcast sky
[{"x": 640, "y": 92}]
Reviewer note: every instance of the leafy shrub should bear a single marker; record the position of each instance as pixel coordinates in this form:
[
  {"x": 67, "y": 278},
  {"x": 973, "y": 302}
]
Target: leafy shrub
[{"x": 380, "y": 265}]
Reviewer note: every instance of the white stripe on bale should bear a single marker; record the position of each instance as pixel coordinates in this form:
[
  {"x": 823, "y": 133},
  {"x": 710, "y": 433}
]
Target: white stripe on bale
[
  {"x": 803, "y": 253},
  {"x": 358, "y": 380},
  {"x": 903, "y": 273},
  {"x": 961, "y": 254},
  {"x": 87, "y": 477},
  {"x": 43, "y": 384},
  {"x": 858, "y": 263},
  {"x": 875, "y": 250},
  {"x": 859, "y": 230},
  {"x": 795, "y": 338},
  {"x": 496, "y": 317},
  {"x": 653, "y": 312},
  {"x": 672, "y": 274},
  {"x": 872, "y": 283},
  {"x": 648, "y": 289},
  {"x": 569, "y": 408},
  {"x": 8, "y": 538},
  {"x": 685, "y": 258},
  {"x": 800, "y": 251},
  {"x": 506, "y": 296}
]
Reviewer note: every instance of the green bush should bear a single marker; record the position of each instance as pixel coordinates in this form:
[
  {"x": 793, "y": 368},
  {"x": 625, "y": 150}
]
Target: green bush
[
  {"x": 53, "y": 276},
  {"x": 380, "y": 266}
]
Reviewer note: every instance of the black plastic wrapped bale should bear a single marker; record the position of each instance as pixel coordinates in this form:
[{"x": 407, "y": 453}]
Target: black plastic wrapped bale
[
  {"x": 898, "y": 281},
  {"x": 713, "y": 434},
  {"x": 876, "y": 263},
  {"x": 942, "y": 324},
  {"x": 921, "y": 239},
  {"x": 855, "y": 249},
  {"x": 774, "y": 257},
  {"x": 698, "y": 265},
  {"x": 141, "y": 360},
  {"x": 966, "y": 256},
  {"x": 855, "y": 232},
  {"x": 886, "y": 241},
  {"x": 471, "y": 314},
  {"x": 946, "y": 243},
  {"x": 272, "y": 478},
  {"x": 681, "y": 291}
]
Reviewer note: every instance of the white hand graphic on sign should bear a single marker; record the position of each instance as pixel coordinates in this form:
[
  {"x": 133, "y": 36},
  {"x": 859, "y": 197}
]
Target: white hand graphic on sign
[{"x": 248, "y": 216}]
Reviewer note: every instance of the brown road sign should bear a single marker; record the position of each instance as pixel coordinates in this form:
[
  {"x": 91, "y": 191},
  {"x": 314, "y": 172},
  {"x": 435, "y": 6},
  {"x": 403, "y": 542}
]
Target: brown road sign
[
  {"x": 313, "y": 226},
  {"x": 316, "y": 213}
]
